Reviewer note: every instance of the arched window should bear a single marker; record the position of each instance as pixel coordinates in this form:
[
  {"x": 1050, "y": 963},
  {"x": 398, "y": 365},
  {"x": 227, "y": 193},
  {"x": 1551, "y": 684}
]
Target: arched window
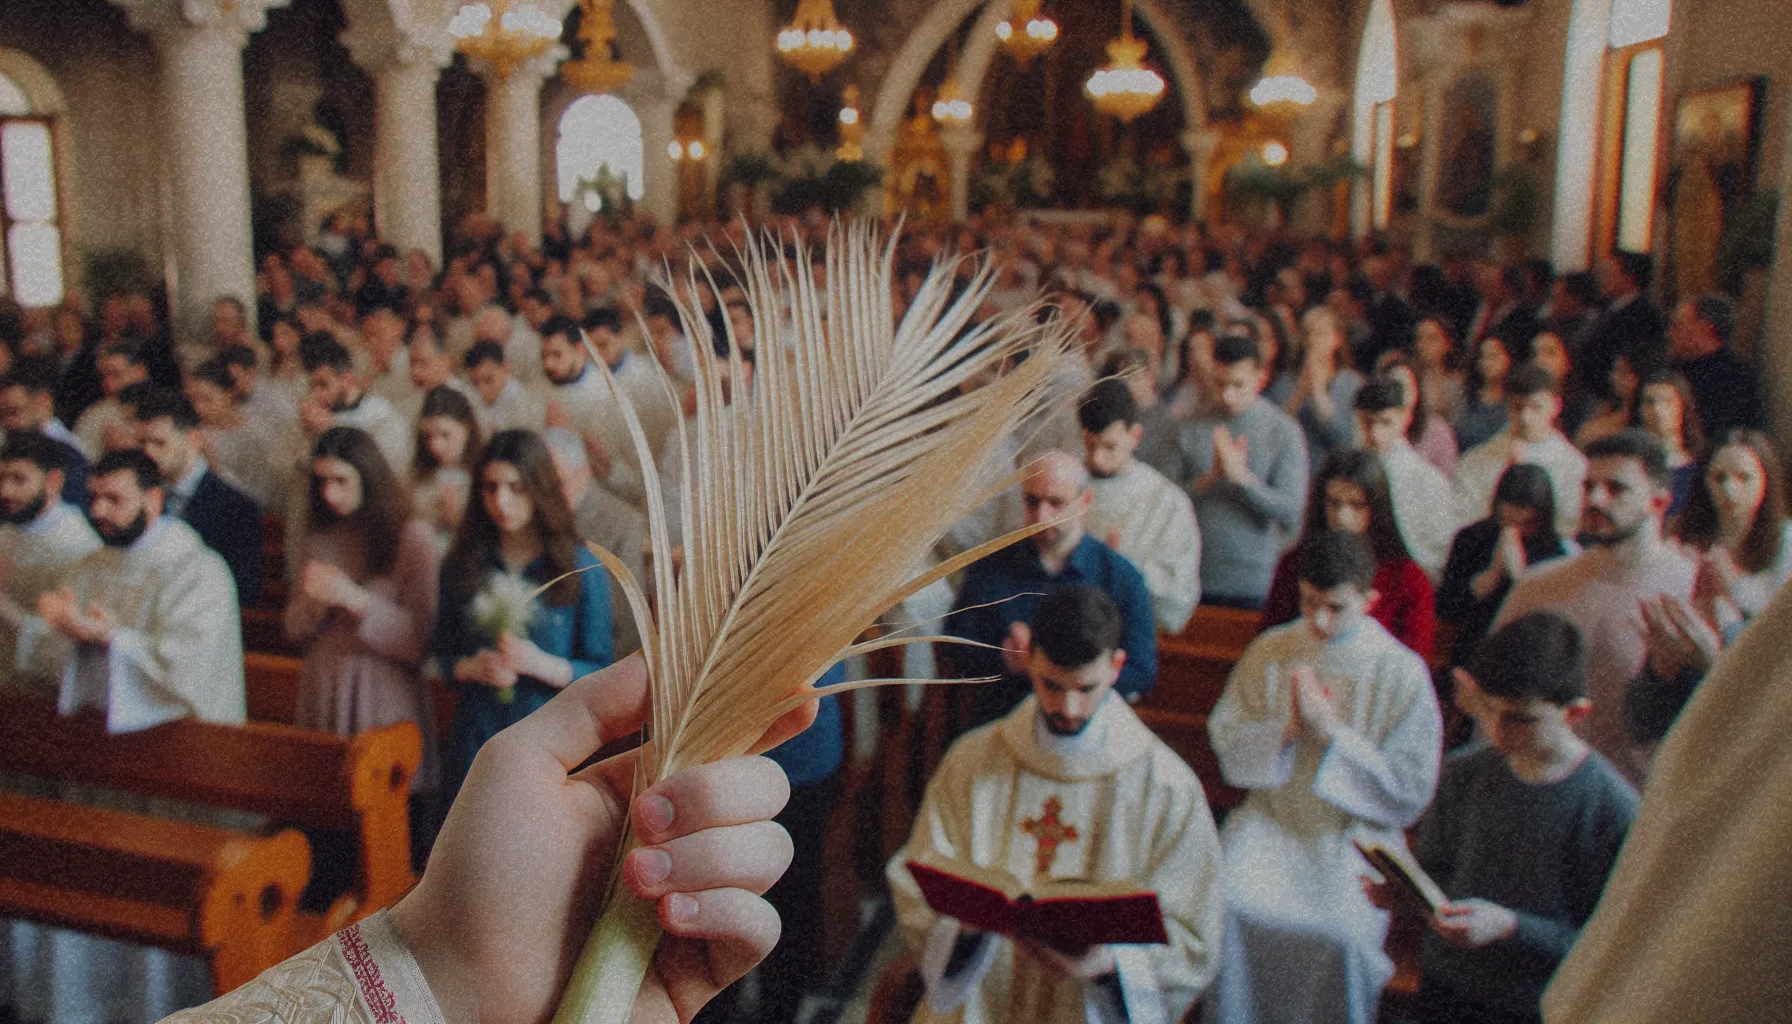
[
  {"x": 597, "y": 132},
  {"x": 30, "y": 235},
  {"x": 1372, "y": 137},
  {"x": 1634, "y": 81}
]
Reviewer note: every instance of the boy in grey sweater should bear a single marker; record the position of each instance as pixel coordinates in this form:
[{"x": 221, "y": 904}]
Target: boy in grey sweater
[
  {"x": 1523, "y": 832},
  {"x": 1244, "y": 462}
]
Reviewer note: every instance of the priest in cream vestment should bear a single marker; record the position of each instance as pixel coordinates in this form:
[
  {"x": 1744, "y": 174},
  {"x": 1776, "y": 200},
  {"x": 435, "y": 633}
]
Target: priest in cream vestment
[
  {"x": 41, "y": 536},
  {"x": 146, "y": 630},
  {"x": 1069, "y": 785},
  {"x": 1334, "y": 728}
]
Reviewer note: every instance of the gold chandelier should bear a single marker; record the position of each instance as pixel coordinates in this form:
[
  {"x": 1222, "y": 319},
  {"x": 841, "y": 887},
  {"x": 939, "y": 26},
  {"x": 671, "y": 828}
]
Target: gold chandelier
[
  {"x": 1027, "y": 33},
  {"x": 814, "y": 42},
  {"x": 503, "y": 34},
  {"x": 598, "y": 70},
  {"x": 1125, "y": 87}
]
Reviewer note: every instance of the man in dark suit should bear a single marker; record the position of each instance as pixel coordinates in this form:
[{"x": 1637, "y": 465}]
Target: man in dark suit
[
  {"x": 1391, "y": 321},
  {"x": 1726, "y": 388},
  {"x": 28, "y": 403},
  {"x": 1630, "y": 325},
  {"x": 226, "y": 519},
  {"x": 1502, "y": 312}
]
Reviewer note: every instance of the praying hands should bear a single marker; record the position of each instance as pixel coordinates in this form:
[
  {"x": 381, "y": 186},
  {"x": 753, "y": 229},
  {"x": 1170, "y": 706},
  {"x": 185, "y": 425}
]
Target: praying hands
[
  {"x": 1313, "y": 711},
  {"x": 90, "y": 625}
]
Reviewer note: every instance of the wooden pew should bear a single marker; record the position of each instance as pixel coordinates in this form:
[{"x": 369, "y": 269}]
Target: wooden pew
[
  {"x": 360, "y": 785},
  {"x": 271, "y": 684},
  {"x": 207, "y": 892},
  {"x": 1192, "y": 666},
  {"x": 265, "y": 633},
  {"x": 1186, "y": 734}
]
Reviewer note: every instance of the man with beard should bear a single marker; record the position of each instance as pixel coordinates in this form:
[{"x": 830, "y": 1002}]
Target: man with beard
[
  {"x": 167, "y": 430},
  {"x": 1069, "y": 785},
  {"x": 1625, "y": 561},
  {"x": 27, "y": 405},
  {"x": 41, "y": 536},
  {"x": 1002, "y": 591},
  {"x": 578, "y": 398},
  {"x": 336, "y": 398},
  {"x": 145, "y": 629},
  {"x": 1137, "y": 511}
]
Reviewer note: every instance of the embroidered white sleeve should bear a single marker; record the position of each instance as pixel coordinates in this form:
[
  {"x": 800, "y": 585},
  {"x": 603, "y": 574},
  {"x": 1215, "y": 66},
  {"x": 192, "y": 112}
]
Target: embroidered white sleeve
[{"x": 361, "y": 975}]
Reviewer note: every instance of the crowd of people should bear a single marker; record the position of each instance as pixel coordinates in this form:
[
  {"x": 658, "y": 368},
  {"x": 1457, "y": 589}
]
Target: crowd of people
[{"x": 1543, "y": 483}]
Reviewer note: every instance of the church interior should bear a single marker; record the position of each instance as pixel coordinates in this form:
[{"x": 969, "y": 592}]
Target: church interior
[{"x": 253, "y": 249}]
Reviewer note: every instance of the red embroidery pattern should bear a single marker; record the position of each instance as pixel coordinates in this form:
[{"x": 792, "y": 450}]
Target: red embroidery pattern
[{"x": 373, "y": 988}]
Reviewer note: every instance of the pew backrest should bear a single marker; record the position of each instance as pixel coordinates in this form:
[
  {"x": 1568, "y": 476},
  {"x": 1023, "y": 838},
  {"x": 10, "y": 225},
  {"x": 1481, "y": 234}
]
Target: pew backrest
[
  {"x": 197, "y": 890},
  {"x": 360, "y": 784}
]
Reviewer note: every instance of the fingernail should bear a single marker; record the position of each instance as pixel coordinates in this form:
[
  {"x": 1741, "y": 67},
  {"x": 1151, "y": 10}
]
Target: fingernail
[
  {"x": 681, "y": 908},
  {"x": 656, "y": 814},
  {"x": 652, "y": 866}
]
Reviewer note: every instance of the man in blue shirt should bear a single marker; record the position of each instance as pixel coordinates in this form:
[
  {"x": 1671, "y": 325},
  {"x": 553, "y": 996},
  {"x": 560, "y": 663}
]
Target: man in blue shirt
[{"x": 1001, "y": 592}]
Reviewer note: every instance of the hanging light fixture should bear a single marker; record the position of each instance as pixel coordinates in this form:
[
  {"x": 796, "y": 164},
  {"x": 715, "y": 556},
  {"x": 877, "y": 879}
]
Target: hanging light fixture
[
  {"x": 814, "y": 42},
  {"x": 597, "y": 70},
  {"x": 503, "y": 34},
  {"x": 951, "y": 109},
  {"x": 1125, "y": 87},
  {"x": 1026, "y": 33},
  {"x": 1283, "y": 89},
  {"x": 852, "y": 127}
]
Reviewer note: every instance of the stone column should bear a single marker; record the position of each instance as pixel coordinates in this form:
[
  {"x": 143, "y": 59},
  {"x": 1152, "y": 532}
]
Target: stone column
[
  {"x": 962, "y": 143},
  {"x": 199, "y": 56},
  {"x": 1199, "y": 144},
  {"x": 1309, "y": 142},
  {"x": 407, "y": 177},
  {"x": 513, "y": 143}
]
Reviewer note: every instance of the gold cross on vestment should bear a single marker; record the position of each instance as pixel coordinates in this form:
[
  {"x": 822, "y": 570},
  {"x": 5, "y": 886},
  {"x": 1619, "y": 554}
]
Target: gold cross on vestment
[{"x": 1048, "y": 832}]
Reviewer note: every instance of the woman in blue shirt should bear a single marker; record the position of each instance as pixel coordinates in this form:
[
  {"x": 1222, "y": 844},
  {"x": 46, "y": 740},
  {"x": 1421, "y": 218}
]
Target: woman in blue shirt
[{"x": 517, "y": 526}]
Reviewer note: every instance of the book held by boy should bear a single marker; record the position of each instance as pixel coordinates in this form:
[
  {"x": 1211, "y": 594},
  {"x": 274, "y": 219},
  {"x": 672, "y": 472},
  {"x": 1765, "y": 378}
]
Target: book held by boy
[{"x": 1398, "y": 868}]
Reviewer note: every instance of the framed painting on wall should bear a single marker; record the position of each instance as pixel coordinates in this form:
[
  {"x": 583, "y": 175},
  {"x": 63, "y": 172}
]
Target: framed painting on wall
[{"x": 1717, "y": 141}]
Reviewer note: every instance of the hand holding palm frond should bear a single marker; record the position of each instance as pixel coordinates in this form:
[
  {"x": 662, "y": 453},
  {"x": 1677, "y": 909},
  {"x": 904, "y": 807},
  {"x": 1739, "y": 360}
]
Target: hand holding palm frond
[{"x": 806, "y": 506}]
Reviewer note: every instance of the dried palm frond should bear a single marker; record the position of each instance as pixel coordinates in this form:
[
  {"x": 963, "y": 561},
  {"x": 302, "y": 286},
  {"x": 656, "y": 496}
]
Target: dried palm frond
[{"x": 806, "y": 507}]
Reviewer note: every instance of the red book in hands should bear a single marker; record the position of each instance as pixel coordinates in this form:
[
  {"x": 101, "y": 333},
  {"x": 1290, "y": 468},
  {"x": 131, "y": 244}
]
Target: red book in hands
[{"x": 1069, "y": 916}]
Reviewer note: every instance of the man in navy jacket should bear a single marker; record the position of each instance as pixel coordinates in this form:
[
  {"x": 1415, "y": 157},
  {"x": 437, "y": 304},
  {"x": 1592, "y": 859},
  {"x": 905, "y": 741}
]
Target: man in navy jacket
[
  {"x": 1001, "y": 592},
  {"x": 226, "y": 519}
]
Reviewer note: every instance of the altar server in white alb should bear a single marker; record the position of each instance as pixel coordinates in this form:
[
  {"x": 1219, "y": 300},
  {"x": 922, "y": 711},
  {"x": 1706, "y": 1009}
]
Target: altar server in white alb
[
  {"x": 40, "y": 537},
  {"x": 1138, "y": 511},
  {"x": 145, "y": 628},
  {"x": 1423, "y": 509},
  {"x": 1069, "y": 785},
  {"x": 1333, "y": 727}
]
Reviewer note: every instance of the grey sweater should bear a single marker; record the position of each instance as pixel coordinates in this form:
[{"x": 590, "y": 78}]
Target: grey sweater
[
  {"x": 1245, "y": 527},
  {"x": 1542, "y": 851}
]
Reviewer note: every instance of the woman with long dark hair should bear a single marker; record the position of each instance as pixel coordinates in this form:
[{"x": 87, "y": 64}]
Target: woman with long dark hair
[
  {"x": 447, "y": 447},
  {"x": 1350, "y": 493},
  {"x": 1484, "y": 394},
  {"x": 365, "y": 597},
  {"x": 505, "y": 650},
  {"x": 1429, "y": 433},
  {"x": 1665, "y": 407},
  {"x": 1489, "y": 556},
  {"x": 1737, "y": 518}
]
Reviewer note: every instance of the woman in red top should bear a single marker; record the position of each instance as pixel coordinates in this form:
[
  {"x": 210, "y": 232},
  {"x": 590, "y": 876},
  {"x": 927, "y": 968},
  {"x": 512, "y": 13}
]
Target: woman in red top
[{"x": 1351, "y": 494}]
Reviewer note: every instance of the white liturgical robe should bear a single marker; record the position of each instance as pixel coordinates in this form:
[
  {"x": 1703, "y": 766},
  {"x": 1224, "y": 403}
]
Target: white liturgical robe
[
  {"x": 1151, "y": 522},
  {"x": 39, "y": 554},
  {"x": 1302, "y": 941},
  {"x": 1139, "y": 816},
  {"x": 597, "y": 415},
  {"x": 177, "y": 649},
  {"x": 1693, "y": 925},
  {"x": 1424, "y": 508}
]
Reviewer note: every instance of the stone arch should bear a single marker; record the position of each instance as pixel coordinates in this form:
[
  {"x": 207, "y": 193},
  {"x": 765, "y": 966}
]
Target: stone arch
[
  {"x": 941, "y": 20},
  {"x": 40, "y": 88}
]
